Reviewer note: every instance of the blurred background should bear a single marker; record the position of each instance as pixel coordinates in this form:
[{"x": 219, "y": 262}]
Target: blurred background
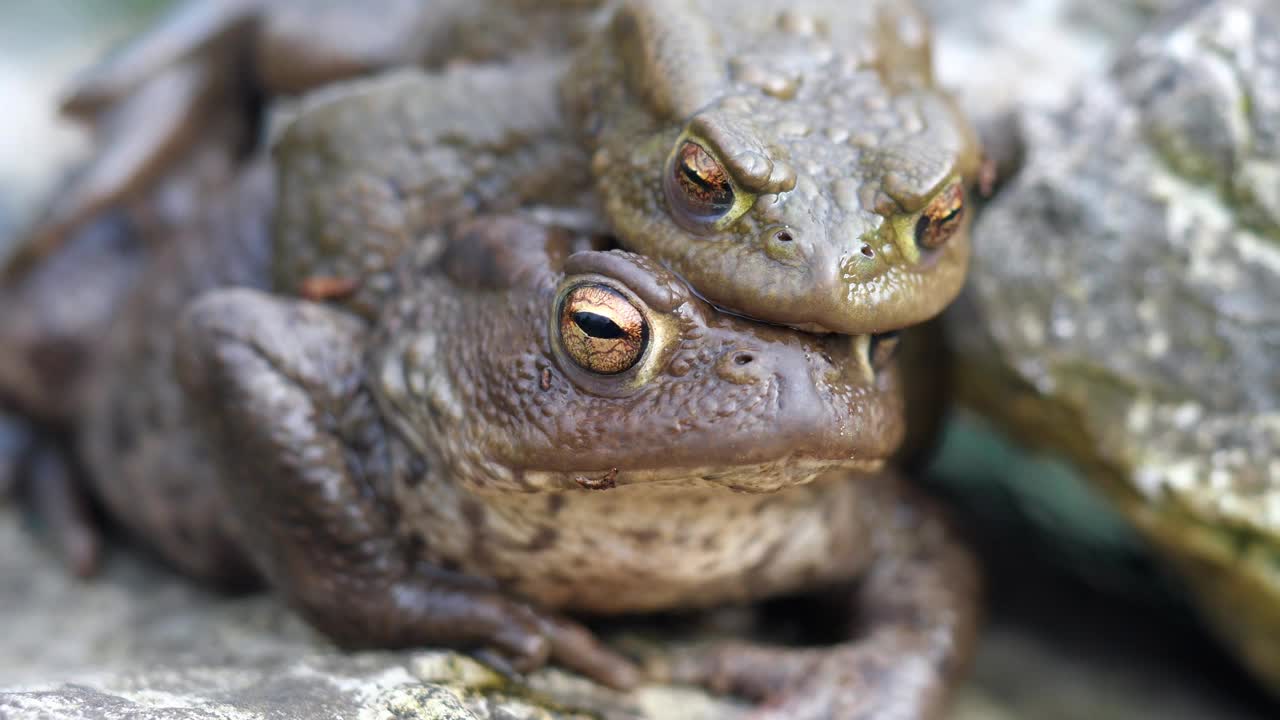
[{"x": 42, "y": 45}]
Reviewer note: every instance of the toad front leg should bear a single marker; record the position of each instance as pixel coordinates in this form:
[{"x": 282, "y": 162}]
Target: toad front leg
[
  {"x": 915, "y": 614},
  {"x": 280, "y": 387}
]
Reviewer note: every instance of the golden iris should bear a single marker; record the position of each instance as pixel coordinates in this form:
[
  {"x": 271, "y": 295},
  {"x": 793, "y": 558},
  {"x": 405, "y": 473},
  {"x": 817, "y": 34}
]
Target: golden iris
[
  {"x": 601, "y": 329},
  {"x": 941, "y": 218},
  {"x": 698, "y": 185}
]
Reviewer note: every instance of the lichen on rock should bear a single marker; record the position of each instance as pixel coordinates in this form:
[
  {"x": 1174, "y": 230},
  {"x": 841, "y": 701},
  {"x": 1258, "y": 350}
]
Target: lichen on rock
[{"x": 1123, "y": 307}]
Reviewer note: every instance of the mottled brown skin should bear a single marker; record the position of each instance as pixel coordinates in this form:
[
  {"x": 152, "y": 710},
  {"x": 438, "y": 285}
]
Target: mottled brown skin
[
  {"x": 150, "y": 469},
  {"x": 155, "y": 98},
  {"x": 53, "y": 319},
  {"x": 418, "y": 480},
  {"x": 333, "y": 458},
  {"x": 911, "y": 639},
  {"x": 405, "y": 155},
  {"x": 56, "y": 321},
  {"x": 835, "y": 141},
  {"x": 426, "y": 479},
  {"x": 823, "y": 120}
]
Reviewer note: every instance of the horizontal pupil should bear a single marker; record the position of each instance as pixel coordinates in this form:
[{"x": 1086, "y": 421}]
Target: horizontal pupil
[
  {"x": 597, "y": 326},
  {"x": 695, "y": 177},
  {"x": 718, "y": 194}
]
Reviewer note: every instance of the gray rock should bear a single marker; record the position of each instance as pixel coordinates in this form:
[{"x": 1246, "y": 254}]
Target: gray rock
[
  {"x": 1124, "y": 307},
  {"x": 141, "y": 642},
  {"x": 999, "y": 55}
]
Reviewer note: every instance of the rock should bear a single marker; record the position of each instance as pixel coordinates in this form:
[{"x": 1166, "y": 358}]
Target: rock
[
  {"x": 142, "y": 642},
  {"x": 1124, "y": 303},
  {"x": 999, "y": 55}
]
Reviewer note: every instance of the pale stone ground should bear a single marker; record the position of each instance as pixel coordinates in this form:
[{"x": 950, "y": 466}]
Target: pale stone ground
[{"x": 142, "y": 642}]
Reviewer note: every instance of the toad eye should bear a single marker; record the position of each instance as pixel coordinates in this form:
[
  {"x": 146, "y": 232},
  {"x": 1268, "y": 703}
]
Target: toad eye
[
  {"x": 698, "y": 186},
  {"x": 601, "y": 329},
  {"x": 941, "y": 218}
]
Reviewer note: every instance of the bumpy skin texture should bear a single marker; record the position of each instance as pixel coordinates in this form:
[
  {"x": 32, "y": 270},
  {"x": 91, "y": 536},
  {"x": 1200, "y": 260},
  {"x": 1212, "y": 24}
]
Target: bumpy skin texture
[
  {"x": 405, "y": 483},
  {"x": 56, "y": 320},
  {"x": 825, "y": 117},
  {"x": 449, "y": 476},
  {"x": 397, "y": 158},
  {"x": 424, "y": 479},
  {"x": 53, "y": 319},
  {"x": 153, "y": 99},
  {"x": 823, "y": 235},
  {"x": 911, "y": 631},
  {"x": 148, "y": 466}
]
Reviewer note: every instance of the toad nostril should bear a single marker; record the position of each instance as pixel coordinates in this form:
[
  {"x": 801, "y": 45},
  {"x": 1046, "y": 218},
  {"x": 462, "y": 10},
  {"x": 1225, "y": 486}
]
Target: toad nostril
[{"x": 743, "y": 367}]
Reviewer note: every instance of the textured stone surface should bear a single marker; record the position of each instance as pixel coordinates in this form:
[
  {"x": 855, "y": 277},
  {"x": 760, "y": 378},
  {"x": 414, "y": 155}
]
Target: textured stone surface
[
  {"x": 141, "y": 642},
  {"x": 1123, "y": 305},
  {"x": 999, "y": 55}
]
